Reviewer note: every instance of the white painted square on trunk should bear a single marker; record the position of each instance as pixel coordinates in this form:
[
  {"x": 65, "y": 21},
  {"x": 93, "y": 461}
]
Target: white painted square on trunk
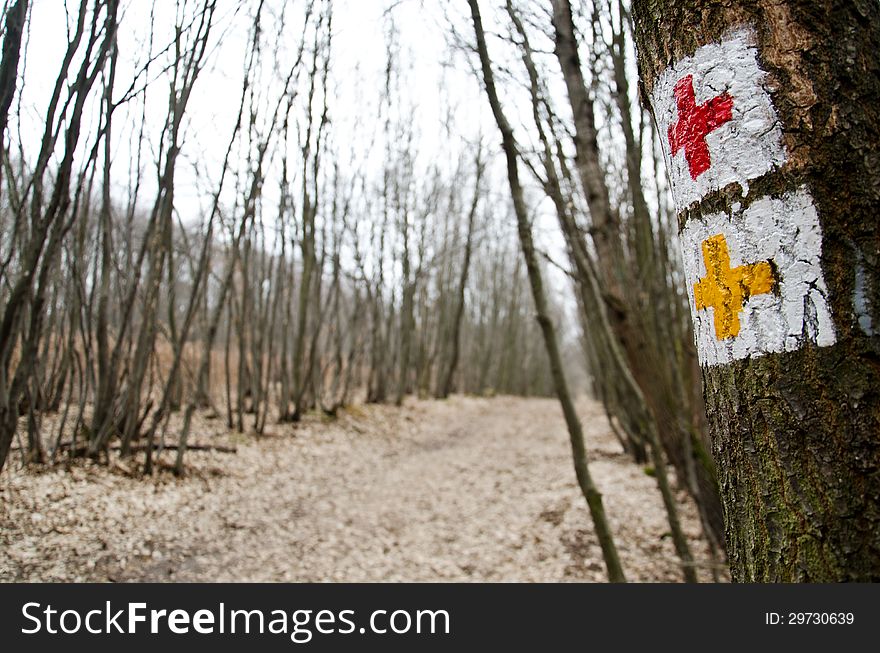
[
  {"x": 716, "y": 119},
  {"x": 755, "y": 280}
]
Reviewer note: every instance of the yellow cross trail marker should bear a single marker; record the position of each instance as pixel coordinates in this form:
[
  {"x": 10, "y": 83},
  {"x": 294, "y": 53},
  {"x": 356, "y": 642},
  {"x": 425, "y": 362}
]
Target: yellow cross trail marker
[
  {"x": 725, "y": 289},
  {"x": 757, "y": 308}
]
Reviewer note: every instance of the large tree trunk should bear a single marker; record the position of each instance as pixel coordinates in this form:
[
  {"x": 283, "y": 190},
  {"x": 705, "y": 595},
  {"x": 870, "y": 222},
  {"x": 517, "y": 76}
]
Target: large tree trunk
[{"x": 794, "y": 426}]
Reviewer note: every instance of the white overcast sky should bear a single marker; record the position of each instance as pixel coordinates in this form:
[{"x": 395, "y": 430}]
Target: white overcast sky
[{"x": 359, "y": 56}]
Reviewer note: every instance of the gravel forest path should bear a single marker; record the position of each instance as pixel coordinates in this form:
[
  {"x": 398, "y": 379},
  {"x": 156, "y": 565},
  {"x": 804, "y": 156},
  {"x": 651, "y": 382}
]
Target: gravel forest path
[{"x": 467, "y": 489}]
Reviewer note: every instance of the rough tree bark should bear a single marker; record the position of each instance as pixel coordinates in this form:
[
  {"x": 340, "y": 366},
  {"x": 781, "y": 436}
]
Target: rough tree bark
[{"x": 795, "y": 432}]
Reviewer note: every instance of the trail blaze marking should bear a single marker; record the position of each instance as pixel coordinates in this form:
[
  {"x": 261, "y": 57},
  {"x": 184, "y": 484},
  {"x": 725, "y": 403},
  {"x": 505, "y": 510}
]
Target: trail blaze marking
[
  {"x": 724, "y": 289},
  {"x": 715, "y": 115},
  {"x": 715, "y": 108},
  {"x": 754, "y": 278},
  {"x": 694, "y": 122}
]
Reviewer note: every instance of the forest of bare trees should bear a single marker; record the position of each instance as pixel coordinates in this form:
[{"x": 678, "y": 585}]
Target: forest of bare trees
[
  {"x": 118, "y": 309},
  {"x": 308, "y": 253},
  {"x": 368, "y": 273}
]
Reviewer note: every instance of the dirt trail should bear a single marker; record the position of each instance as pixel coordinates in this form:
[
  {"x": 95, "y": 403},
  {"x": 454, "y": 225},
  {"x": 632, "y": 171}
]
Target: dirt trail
[{"x": 466, "y": 489}]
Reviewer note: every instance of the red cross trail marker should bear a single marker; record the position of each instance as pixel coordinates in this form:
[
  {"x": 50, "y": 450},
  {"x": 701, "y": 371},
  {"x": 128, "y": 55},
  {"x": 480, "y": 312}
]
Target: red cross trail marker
[
  {"x": 694, "y": 122},
  {"x": 716, "y": 106}
]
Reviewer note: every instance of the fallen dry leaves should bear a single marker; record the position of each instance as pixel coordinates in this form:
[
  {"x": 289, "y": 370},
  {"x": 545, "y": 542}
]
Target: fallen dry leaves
[{"x": 467, "y": 489}]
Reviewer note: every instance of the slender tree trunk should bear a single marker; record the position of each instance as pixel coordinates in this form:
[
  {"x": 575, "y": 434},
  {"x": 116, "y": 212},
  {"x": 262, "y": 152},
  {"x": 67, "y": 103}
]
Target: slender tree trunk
[
  {"x": 15, "y": 19},
  {"x": 582, "y": 470},
  {"x": 446, "y": 387},
  {"x": 636, "y": 402},
  {"x": 592, "y": 175},
  {"x": 406, "y": 313},
  {"x": 106, "y": 374}
]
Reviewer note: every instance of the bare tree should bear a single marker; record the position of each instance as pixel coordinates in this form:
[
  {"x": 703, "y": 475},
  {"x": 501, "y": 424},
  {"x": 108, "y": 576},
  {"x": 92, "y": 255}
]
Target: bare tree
[{"x": 590, "y": 492}]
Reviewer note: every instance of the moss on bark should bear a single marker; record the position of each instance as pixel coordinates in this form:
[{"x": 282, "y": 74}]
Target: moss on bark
[{"x": 797, "y": 435}]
